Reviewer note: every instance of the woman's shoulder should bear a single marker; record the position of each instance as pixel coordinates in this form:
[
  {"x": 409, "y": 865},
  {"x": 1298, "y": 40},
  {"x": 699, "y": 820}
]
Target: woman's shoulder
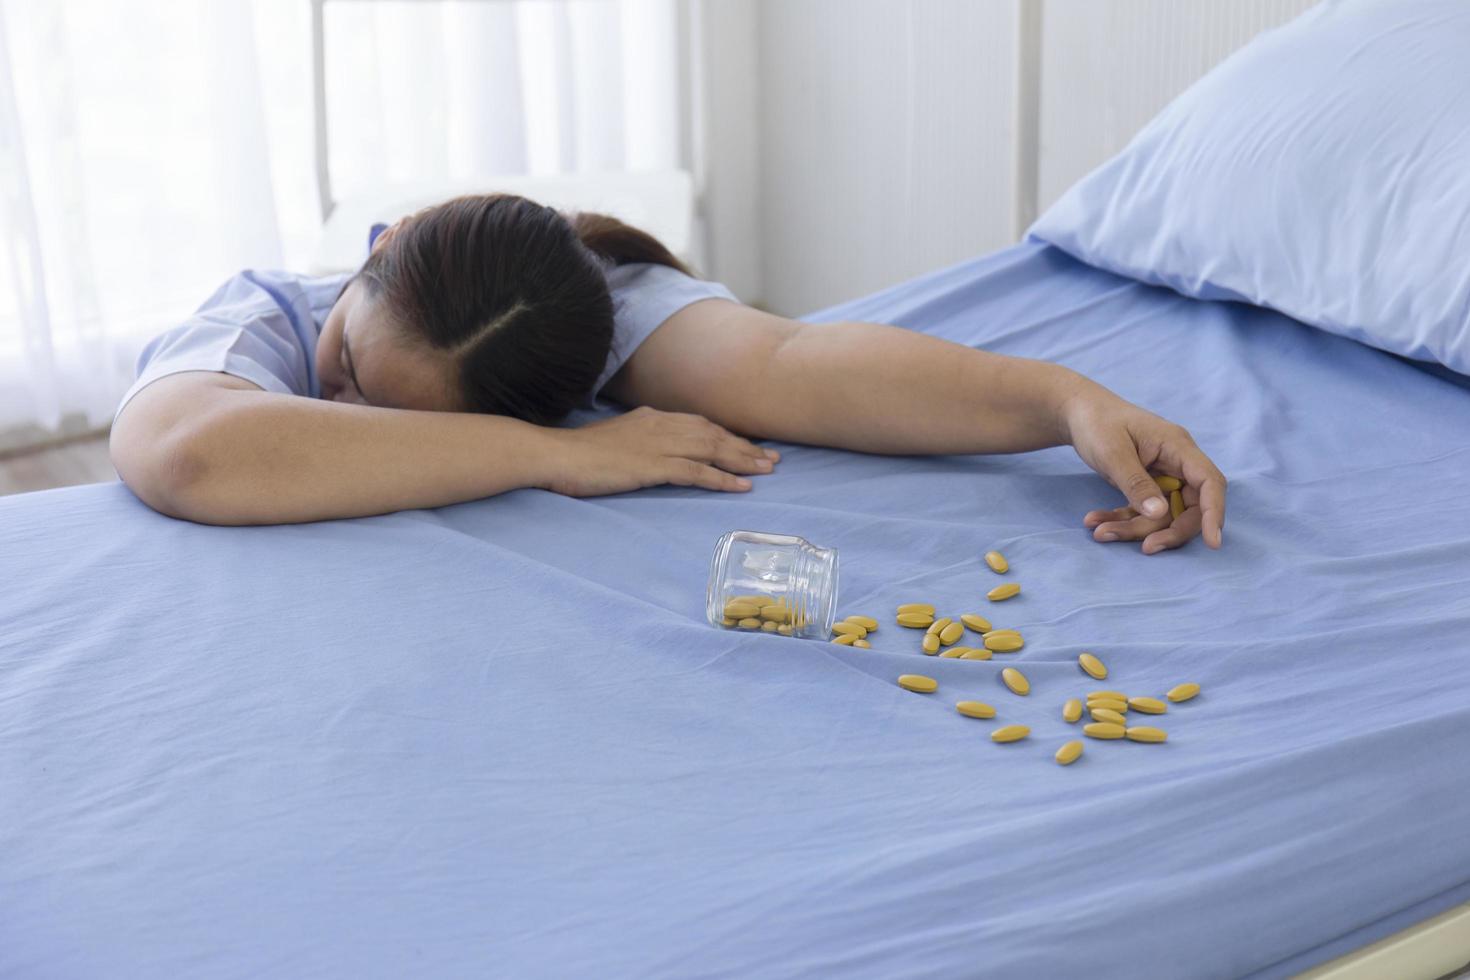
[
  {"x": 635, "y": 279},
  {"x": 292, "y": 292},
  {"x": 282, "y": 282}
]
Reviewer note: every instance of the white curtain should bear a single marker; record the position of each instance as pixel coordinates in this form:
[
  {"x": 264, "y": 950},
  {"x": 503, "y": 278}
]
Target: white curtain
[{"x": 151, "y": 149}]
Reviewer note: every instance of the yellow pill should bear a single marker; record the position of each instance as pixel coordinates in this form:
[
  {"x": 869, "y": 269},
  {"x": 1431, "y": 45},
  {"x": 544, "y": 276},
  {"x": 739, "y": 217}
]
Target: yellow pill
[
  {"x": 784, "y": 629},
  {"x": 756, "y": 600},
  {"x": 1004, "y": 643},
  {"x": 864, "y": 644},
  {"x": 997, "y": 562},
  {"x": 1108, "y": 704},
  {"x": 1069, "y": 753},
  {"x": 769, "y": 627},
  {"x": 989, "y": 633},
  {"x": 973, "y": 654},
  {"x": 951, "y": 633},
  {"x": 1102, "y": 729},
  {"x": 846, "y": 629},
  {"x": 741, "y": 610},
  {"x": 1176, "y": 504},
  {"x": 1016, "y": 681},
  {"x": 1107, "y": 714},
  {"x": 1010, "y": 733},
  {"x": 1143, "y": 733},
  {"x": 845, "y": 639},
  {"x": 866, "y": 622},
  {"x": 953, "y": 653},
  {"x": 975, "y": 709},
  {"x": 776, "y": 614},
  {"x": 939, "y": 624},
  {"x": 749, "y": 624},
  {"x": 916, "y": 607},
  {"x": 918, "y": 683},
  {"x": 931, "y": 643},
  {"x": 1004, "y": 591},
  {"x": 977, "y": 623},
  {"x": 1149, "y": 706},
  {"x": 1071, "y": 711},
  {"x": 1110, "y": 695},
  {"x": 727, "y": 621},
  {"x": 915, "y": 621},
  {"x": 1183, "y": 692},
  {"x": 1092, "y": 665},
  {"x": 1168, "y": 484}
]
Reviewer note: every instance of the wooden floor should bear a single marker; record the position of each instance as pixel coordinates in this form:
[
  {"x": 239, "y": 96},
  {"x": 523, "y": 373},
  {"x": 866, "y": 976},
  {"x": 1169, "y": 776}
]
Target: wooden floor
[{"x": 82, "y": 461}]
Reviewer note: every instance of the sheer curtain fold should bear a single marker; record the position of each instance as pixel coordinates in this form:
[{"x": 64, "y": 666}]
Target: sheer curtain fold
[
  {"x": 25, "y": 305},
  {"x": 148, "y": 151}
]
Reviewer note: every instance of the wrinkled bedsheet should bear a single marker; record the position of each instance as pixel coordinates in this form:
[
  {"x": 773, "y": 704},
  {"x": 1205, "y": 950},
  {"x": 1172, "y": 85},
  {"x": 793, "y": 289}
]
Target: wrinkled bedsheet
[{"x": 498, "y": 738}]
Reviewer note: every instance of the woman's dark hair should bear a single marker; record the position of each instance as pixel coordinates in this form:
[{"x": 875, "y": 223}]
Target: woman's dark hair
[{"x": 515, "y": 292}]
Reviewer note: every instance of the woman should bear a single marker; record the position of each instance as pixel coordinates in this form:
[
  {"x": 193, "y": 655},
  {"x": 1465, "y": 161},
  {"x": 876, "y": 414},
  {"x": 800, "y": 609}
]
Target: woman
[{"x": 438, "y": 372}]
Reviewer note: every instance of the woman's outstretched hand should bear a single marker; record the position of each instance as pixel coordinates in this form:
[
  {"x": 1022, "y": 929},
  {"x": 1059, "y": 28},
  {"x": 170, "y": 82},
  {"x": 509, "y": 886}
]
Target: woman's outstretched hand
[
  {"x": 1123, "y": 443},
  {"x": 646, "y": 448}
]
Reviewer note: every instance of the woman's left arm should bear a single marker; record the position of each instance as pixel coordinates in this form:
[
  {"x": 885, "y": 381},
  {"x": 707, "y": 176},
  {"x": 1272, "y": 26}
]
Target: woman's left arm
[{"x": 883, "y": 389}]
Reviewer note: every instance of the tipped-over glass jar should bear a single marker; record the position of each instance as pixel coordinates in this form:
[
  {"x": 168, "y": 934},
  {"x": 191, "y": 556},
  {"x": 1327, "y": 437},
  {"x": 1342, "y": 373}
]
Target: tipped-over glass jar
[{"x": 777, "y": 583}]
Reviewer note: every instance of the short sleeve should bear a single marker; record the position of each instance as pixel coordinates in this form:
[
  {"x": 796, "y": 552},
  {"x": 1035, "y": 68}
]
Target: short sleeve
[
  {"x": 644, "y": 295},
  {"x": 259, "y": 326}
]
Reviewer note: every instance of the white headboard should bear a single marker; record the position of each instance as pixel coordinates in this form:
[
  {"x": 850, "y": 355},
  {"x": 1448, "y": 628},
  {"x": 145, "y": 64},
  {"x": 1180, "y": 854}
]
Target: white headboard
[{"x": 1108, "y": 66}]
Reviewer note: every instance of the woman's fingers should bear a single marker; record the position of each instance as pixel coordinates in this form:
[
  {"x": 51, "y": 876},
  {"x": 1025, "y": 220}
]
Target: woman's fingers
[
  {"x": 1204, "y": 479},
  {"x": 1158, "y": 534},
  {"x": 645, "y": 447},
  {"x": 1095, "y": 517},
  {"x": 708, "y": 442},
  {"x": 1212, "y": 507},
  {"x": 688, "y": 473},
  {"x": 1185, "y": 527},
  {"x": 1130, "y": 529},
  {"x": 1122, "y": 468},
  {"x": 740, "y": 456}
]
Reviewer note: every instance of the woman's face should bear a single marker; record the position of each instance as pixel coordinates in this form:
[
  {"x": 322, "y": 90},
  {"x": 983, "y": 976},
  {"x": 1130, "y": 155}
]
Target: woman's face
[{"x": 363, "y": 357}]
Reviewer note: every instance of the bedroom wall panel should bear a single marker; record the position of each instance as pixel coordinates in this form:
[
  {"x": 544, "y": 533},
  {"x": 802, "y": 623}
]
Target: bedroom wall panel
[
  {"x": 1108, "y": 67},
  {"x": 885, "y": 141},
  {"x": 856, "y": 143}
]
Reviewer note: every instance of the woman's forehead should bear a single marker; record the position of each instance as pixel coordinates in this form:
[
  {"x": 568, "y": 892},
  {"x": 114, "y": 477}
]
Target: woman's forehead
[{"x": 392, "y": 370}]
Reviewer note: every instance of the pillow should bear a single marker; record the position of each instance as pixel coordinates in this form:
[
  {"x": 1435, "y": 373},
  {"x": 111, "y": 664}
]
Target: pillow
[{"x": 1323, "y": 170}]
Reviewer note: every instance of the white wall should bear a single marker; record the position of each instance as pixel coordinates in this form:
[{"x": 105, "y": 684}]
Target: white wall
[
  {"x": 1108, "y": 67},
  {"x": 861, "y": 142},
  {"x": 884, "y": 141},
  {"x": 730, "y": 93}
]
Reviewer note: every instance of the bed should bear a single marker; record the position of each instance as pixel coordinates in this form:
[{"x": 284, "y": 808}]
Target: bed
[{"x": 499, "y": 738}]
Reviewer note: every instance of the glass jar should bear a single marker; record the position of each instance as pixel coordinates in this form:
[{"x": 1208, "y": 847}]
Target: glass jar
[{"x": 787, "y": 584}]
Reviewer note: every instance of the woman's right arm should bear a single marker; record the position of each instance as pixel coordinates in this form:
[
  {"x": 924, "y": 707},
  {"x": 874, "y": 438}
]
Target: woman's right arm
[{"x": 216, "y": 449}]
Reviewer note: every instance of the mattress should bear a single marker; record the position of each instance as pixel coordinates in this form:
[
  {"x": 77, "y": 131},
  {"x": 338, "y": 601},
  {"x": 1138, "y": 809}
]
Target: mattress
[{"x": 499, "y": 739}]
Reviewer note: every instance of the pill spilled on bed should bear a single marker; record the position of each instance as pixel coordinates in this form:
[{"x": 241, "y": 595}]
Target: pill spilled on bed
[
  {"x": 1106, "y": 715},
  {"x": 1010, "y": 733},
  {"x": 1106, "y": 710},
  {"x": 918, "y": 683}
]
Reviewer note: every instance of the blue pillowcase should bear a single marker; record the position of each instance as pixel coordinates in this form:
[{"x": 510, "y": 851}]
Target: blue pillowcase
[{"x": 1323, "y": 170}]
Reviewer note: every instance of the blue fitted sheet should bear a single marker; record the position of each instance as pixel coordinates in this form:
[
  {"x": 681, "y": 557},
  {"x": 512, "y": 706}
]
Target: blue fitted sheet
[{"x": 498, "y": 739}]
